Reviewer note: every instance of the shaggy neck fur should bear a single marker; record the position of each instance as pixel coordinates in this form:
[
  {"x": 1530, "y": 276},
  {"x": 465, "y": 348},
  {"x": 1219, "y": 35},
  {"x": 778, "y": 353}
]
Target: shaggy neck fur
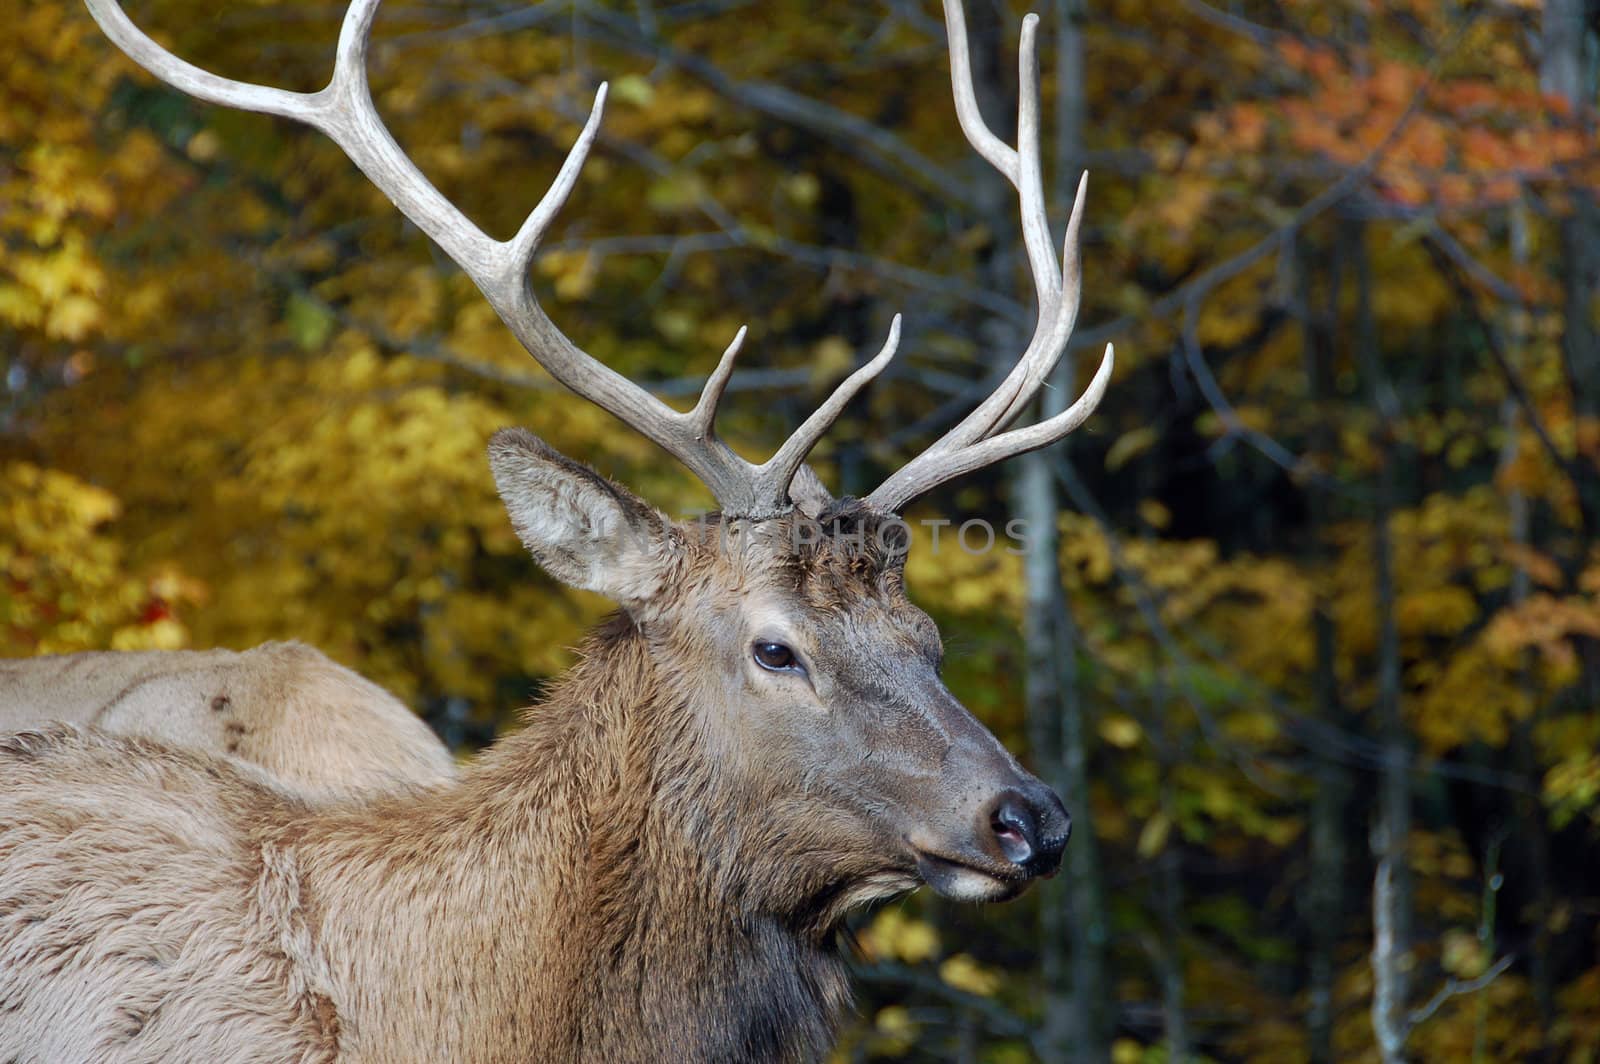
[{"x": 606, "y": 891}]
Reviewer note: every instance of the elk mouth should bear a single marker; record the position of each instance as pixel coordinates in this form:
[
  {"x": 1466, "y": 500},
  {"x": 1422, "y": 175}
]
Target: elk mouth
[{"x": 970, "y": 879}]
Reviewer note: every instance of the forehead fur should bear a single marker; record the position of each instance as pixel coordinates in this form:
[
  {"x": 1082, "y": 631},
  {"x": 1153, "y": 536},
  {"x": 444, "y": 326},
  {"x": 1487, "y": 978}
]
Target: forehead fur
[
  {"x": 825, "y": 558},
  {"x": 856, "y": 544}
]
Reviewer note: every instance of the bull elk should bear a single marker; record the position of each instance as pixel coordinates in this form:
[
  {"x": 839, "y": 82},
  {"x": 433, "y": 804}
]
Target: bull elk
[
  {"x": 286, "y": 710},
  {"x": 656, "y": 865}
]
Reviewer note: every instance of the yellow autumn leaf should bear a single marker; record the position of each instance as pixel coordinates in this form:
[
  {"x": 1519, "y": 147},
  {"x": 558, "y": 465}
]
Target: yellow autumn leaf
[
  {"x": 963, "y": 972},
  {"x": 895, "y": 935},
  {"x": 72, "y": 317},
  {"x": 831, "y": 357},
  {"x": 633, "y": 89},
  {"x": 896, "y": 1029},
  {"x": 1153, "y": 838},
  {"x": 803, "y": 189},
  {"x": 1130, "y": 445},
  {"x": 577, "y": 280},
  {"x": 1463, "y": 955},
  {"x": 1126, "y": 1051},
  {"x": 1154, "y": 514},
  {"x": 1120, "y": 730},
  {"x": 918, "y": 941}
]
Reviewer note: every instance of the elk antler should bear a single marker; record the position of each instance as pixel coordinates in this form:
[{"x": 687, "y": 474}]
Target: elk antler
[
  {"x": 345, "y": 112},
  {"x": 973, "y": 443}
]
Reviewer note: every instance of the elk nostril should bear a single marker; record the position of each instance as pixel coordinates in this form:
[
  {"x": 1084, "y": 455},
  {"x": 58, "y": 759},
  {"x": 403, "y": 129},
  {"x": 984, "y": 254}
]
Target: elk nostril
[
  {"x": 1015, "y": 828},
  {"x": 1010, "y": 833}
]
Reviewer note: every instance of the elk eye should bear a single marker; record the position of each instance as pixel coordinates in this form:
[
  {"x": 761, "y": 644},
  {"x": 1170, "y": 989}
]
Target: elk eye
[{"x": 775, "y": 657}]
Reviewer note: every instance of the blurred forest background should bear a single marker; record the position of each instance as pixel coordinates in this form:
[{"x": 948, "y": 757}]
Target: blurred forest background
[{"x": 1314, "y": 650}]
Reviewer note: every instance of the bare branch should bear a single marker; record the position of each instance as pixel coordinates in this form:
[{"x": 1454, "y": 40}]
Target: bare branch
[
  {"x": 1234, "y": 24},
  {"x": 1495, "y": 343},
  {"x": 879, "y": 148},
  {"x": 1200, "y": 370},
  {"x": 1455, "y": 988}
]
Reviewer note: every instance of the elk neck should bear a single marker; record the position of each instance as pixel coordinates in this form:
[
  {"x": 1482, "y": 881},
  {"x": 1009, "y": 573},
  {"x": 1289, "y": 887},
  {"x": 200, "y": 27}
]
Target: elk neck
[{"x": 599, "y": 863}]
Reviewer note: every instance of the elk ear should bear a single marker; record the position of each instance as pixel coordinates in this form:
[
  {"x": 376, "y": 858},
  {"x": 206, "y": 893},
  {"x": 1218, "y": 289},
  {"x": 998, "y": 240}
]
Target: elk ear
[{"x": 581, "y": 528}]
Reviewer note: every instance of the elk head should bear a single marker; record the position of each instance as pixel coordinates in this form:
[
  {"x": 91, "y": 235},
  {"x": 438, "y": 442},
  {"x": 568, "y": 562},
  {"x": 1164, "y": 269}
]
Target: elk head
[
  {"x": 786, "y": 613},
  {"x": 815, "y": 679}
]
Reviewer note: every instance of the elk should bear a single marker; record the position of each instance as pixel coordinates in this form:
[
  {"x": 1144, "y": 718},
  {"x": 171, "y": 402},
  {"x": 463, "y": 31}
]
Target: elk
[
  {"x": 312, "y": 726},
  {"x": 657, "y": 864}
]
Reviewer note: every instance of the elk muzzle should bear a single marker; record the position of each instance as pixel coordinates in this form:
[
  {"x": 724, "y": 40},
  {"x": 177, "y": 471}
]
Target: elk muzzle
[{"x": 1013, "y": 835}]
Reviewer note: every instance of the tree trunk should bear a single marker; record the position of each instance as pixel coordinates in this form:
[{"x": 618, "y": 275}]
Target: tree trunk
[
  {"x": 1173, "y": 990},
  {"x": 1531, "y": 831},
  {"x": 1324, "y": 897},
  {"x": 1085, "y": 906},
  {"x": 1568, "y": 52},
  {"x": 1325, "y": 890},
  {"x": 1567, "y": 71},
  {"x": 1035, "y": 504},
  {"x": 1072, "y": 915},
  {"x": 1391, "y": 894}
]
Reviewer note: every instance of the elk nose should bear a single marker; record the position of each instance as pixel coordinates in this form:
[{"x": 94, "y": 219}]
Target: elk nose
[{"x": 1030, "y": 827}]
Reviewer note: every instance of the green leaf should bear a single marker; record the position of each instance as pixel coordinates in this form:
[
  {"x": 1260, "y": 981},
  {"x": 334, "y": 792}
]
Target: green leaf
[{"x": 309, "y": 322}]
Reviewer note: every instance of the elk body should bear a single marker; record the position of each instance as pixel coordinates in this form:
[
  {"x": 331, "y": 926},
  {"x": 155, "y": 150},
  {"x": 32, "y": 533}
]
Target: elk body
[
  {"x": 314, "y": 727},
  {"x": 654, "y": 867}
]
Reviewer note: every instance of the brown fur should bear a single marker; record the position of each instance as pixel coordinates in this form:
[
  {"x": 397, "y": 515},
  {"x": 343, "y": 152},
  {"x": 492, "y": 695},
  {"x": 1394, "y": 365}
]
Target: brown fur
[
  {"x": 313, "y": 726},
  {"x": 653, "y": 868}
]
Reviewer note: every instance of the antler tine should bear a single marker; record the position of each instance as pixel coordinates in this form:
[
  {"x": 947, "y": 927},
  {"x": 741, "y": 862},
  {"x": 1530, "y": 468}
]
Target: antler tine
[
  {"x": 780, "y": 469},
  {"x": 1065, "y": 315},
  {"x": 704, "y": 414},
  {"x": 201, "y": 84},
  {"x": 1030, "y": 176},
  {"x": 973, "y": 442},
  {"x": 921, "y": 478},
  {"x": 1019, "y": 165},
  {"x": 345, "y": 112},
  {"x": 999, "y": 154}
]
